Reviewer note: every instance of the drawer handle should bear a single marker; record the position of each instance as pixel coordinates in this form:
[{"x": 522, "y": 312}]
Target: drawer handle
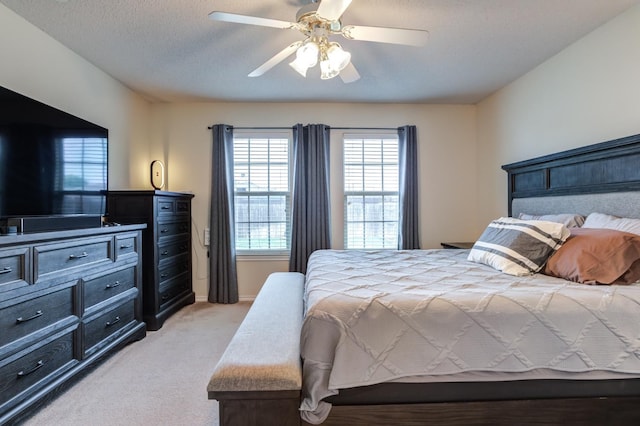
[
  {"x": 23, "y": 373},
  {"x": 165, "y": 207},
  {"x": 114, "y": 285},
  {"x": 34, "y": 316},
  {"x": 78, "y": 256},
  {"x": 126, "y": 247},
  {"x": 164, "y": 230},
  {"x": 165, "y": 275},
  {"x": 110, "y": 323},
  {"x": 164, "y": 253},
  {"x": 5, "y": 270}
]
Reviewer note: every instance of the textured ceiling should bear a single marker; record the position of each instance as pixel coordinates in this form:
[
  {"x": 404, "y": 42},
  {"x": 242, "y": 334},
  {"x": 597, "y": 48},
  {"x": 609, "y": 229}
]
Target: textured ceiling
[{"x": 169, "y": 50}]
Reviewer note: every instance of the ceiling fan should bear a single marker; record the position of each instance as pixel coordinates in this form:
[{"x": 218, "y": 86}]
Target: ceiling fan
[{"x": 319, "y": 21}]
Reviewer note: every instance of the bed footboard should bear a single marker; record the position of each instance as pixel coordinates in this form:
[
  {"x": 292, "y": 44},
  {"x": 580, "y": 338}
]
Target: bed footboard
[{"x": 259, "y": 377}]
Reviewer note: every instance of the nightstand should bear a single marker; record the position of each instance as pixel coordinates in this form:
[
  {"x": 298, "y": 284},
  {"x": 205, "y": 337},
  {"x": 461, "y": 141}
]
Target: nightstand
[{"x": 460, "y": 245}]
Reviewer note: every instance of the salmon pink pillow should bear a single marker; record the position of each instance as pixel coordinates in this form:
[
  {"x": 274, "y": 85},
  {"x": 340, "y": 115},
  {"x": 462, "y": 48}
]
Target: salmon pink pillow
[{"x": 597, "y": 256}]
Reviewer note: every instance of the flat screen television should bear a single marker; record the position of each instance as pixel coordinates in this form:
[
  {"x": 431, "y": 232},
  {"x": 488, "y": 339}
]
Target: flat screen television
[{"x": 51, "y": 163}]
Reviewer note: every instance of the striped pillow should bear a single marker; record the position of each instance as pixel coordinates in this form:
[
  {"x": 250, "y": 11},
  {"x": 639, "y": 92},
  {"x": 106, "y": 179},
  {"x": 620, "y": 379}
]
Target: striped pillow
[
  {"x": 568, "y": 219},
  {"x": 518, "y": 247}
]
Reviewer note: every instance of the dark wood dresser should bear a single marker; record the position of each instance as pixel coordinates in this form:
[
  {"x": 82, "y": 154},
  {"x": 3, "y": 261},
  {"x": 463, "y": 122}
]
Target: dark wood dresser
[
  {"x": 166, "y": 242},
  {"x": 67, "y": 299}
]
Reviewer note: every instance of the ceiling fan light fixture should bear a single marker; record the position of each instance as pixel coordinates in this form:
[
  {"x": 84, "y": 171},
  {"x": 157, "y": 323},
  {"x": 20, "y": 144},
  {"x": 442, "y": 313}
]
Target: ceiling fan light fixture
[
  {"x": 338, "y": 57},
  {"x": 306, "y": 57},
  {"x": 299, "y": 67},
  {"x": 333, "y": 60},
  {"x": 327, "y": 71},
  {"x": 308, "y": 54}
]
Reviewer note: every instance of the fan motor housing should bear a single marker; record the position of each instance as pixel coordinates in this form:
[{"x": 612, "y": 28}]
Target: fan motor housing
[
  {"x": 309, "y": 18},
  {"x": 306, "y": 11}
]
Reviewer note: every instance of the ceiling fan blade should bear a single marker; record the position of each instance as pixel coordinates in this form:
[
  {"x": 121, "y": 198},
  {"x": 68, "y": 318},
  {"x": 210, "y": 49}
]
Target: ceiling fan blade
[
  {"x": 349, "y": 74},
  {"x": 275, "y": 60},
  {"x": 250, "y": 20},
  {"x": 386, "y": 35},
  {"x": 332, "y": 10}
]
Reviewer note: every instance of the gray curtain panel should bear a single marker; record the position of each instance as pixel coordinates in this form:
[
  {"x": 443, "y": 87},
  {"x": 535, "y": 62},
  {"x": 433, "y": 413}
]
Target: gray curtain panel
[
  {"x": 310, "y": 218},
  {"x": 408, "y": 233},
  {"x": 223, "y": 278}
]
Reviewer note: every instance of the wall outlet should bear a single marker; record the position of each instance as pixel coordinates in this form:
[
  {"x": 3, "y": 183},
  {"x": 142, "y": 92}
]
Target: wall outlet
[{"x": 207, "y": 237}]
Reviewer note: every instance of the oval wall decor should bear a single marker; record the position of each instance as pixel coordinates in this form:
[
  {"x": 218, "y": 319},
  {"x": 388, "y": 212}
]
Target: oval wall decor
[{"x": 157, "y": 174}]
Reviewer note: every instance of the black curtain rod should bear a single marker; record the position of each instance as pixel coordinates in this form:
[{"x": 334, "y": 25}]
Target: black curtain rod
[
  {"x": 364, "y": 128},
  {"x": 261, "y": 128},
  {"x": 257, "y": 128},
  {"x": 332, "y": 128}
]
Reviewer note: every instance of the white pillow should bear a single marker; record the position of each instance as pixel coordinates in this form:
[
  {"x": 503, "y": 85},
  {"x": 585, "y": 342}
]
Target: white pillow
[
  {"x": 518, "y": 247},
  {"x": 606, "y": 221},
  {"x": 569, "y": 220}
]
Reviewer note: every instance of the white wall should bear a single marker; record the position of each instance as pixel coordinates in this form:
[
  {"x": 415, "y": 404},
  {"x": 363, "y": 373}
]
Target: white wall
[
  {"x": 447, "y": 151},
  {"x": 586, "y": 94},
  {"x": 38, "y": 66}
]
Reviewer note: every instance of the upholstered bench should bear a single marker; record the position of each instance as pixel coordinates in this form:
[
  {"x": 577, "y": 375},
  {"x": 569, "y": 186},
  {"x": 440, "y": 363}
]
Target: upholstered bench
[{"x": 258, "y": 379}]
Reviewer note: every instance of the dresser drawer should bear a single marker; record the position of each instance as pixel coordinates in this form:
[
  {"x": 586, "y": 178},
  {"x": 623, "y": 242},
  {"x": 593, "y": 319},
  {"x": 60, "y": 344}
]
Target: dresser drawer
[
  {"x": 53, "y": 258},
  {"x": 166, "y": 205},
  {"x": 31, "y": 315},
  {"x": 170, "y": 270},
  {"x": 173, "y": 288},
  {"x": 99, "y": 329},
  {"x": 37, "y": 366},
  {"x": 15, "y": 270},
  {"x": 169, "y": 250},
  {"x": 104, "y": 287},
  {"x": 126, "y": 245},
  {"x": 171, "y": 229},
  {"x": 170, "y": 205},
  {"x": 183, "y": 207}
]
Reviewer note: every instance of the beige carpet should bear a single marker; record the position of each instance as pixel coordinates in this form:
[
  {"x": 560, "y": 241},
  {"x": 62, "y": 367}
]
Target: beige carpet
[{"x": 160, "y": 380}]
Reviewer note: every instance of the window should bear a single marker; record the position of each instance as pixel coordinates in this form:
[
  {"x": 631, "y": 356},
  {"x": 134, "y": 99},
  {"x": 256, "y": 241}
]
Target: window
[
  {"x": 262, "y": 192},
  {"x": 371, "y": 191}
]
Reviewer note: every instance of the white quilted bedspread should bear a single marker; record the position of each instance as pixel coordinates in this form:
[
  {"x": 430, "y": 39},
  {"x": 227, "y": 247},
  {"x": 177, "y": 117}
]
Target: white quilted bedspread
[{"x": 376, "y": 316}]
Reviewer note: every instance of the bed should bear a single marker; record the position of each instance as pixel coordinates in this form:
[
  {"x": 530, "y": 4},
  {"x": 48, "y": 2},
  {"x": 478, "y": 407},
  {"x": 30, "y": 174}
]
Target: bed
[{"x": 587, "y": 371}]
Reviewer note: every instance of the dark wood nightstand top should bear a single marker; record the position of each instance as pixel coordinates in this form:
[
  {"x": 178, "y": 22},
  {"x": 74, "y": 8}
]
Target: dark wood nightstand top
[{"x": 458, "y": 245}]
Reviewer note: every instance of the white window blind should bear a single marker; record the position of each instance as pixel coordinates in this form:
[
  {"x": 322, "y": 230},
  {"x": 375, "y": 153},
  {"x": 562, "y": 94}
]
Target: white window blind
[
  {"x": 371, "y": 191},
  {"x": 262, "y": 193}
]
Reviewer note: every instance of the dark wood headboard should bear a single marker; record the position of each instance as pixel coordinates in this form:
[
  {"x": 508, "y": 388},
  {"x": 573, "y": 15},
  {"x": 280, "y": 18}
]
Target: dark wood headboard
[{"x": 606, "y": 167}]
